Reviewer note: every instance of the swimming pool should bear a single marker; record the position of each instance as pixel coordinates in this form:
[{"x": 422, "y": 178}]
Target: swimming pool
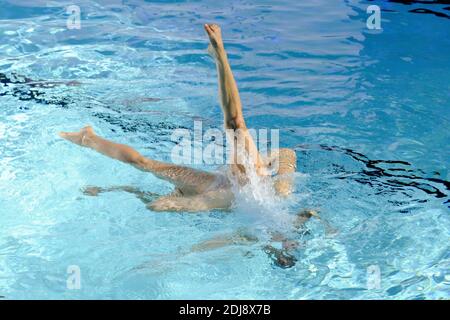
[{"x": 367, "y": 111}]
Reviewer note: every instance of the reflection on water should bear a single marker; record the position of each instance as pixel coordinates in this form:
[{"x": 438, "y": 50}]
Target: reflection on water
[{"x": 386, "y": 176}]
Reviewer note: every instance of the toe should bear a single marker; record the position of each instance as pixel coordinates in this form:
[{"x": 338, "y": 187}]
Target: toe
[
  {"x": 67, "y": 135},
  {"x": 74, "y": 137}
]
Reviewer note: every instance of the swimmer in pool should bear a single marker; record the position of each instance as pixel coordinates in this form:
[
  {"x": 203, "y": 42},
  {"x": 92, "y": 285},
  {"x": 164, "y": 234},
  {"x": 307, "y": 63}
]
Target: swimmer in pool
[{"x": 197, "y": 190}]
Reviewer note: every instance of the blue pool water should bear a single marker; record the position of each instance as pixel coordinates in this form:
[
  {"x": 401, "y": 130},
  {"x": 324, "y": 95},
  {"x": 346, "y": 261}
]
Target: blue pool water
[{"x": 368, "y": 112}]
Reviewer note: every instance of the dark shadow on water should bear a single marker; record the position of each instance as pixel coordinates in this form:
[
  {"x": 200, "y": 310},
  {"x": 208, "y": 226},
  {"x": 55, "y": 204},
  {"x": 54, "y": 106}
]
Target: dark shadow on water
[
  {"x": 436, "y": 5},
  {"x": 387, "y": 175},
  {"x": 39, "y": 91},
  {"x": 26, "y": 89},
  {"x": 428, "y": 11}
]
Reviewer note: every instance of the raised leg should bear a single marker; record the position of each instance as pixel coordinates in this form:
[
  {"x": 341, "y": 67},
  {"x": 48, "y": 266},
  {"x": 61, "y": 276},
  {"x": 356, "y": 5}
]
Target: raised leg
[
  {"x": 231, "y": 104},
  {"x": 189, "y": 181}
]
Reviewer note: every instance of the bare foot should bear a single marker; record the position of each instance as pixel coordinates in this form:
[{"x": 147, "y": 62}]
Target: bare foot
[
  {"x": 81, "y": 137},
  {"x": 215, "y": 38}
]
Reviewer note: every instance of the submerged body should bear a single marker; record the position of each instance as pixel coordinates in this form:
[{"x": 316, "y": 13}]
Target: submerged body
[{"x": 197, "y": 190}]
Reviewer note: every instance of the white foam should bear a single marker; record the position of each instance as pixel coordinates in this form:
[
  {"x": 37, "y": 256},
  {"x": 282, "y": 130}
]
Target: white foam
[{"x": 260, "y": 208}]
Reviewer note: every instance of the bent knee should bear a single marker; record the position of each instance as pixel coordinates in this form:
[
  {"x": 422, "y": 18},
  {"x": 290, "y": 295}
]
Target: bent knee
[{"x": 235, "y": 123}]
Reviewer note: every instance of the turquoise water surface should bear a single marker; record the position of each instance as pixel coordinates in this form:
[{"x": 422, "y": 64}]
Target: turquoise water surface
[{"x": 367, "y": 111}]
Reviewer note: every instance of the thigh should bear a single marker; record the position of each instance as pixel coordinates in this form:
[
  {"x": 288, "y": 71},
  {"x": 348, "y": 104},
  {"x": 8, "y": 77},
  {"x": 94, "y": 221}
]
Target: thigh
[{"x": 217, "y": 199}]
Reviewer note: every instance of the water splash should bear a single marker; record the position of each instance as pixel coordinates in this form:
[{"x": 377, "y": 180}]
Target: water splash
[{"x": 257, "y": 203}]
